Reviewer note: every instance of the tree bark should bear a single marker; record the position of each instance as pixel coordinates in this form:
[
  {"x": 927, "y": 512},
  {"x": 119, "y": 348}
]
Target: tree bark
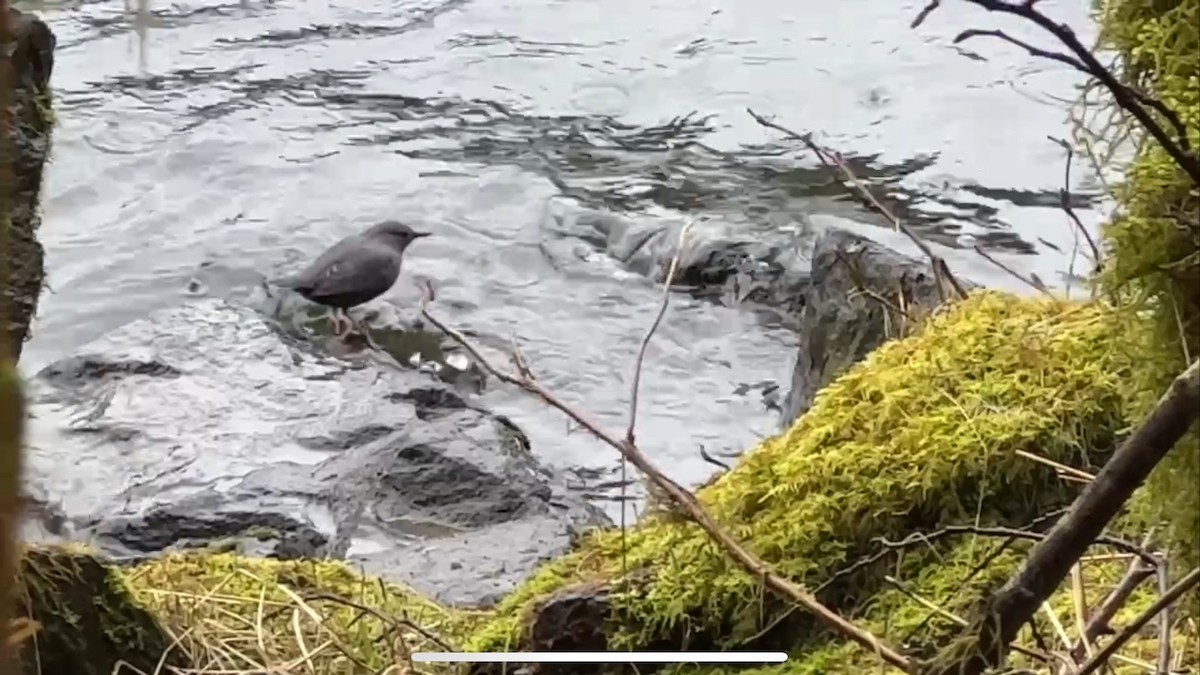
[{"x": 25, "y": 67}]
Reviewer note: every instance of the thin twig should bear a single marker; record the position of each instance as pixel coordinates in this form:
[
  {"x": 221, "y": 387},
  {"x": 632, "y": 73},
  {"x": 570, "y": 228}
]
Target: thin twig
[
  {"x": 662, "y": 310},
  {"x": 683, "y": 499},
  {"x": 890, "y": 547},
  {"x": 630, "y": 430},
  {"x": 396, "y": 623},
  {"x": 1164, "y": 619},
  {"x": 832, "y": 159},
  {"x": 1028, "y": 280},
  {"x": 1064, "y": 199},
  {"x": 1097, "y": 624},
  {"x": 951, "y": 616},
  {"x": 1062, "y": 469},
  {"x": 1162, "y": 603},
  {"x": 1080, "y": 606}
]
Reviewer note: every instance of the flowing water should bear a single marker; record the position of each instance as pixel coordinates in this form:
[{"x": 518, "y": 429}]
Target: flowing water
[{"x": 227, "y": 141}]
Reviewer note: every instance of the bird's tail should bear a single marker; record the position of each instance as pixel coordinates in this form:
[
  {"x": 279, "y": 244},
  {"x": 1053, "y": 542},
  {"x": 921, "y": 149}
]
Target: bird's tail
[{"x": 290, "y": 281}]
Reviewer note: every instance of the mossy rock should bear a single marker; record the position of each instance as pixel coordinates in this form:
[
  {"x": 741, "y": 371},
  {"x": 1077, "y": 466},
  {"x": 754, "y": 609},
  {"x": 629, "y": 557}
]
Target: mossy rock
[
  {"x": 87, "y": 623},
  {"x": 928, "y": 431},
  {"x": 237, "y": 614}
]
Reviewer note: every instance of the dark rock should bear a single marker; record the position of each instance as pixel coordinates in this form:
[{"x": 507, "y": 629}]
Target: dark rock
[
  {"x": 572, "y": 619},
  {"x": 841, "y": 323},
  {"x": 31, "y": 60},
  {"x": 88, "y": 623},
  {"x": 205, "y": 426}
]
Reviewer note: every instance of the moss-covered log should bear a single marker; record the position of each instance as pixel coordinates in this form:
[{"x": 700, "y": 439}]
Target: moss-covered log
[
  {"x": 933, "y": 430},
  {"x": 86, "y": 621},
  {"x": 30, "y": 63}
]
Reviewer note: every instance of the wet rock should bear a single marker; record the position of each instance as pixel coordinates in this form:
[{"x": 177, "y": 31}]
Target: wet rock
[
  {"x": 88, "y": 623},
  {"x": 851, "y": 306},
  {"x": 810, "y": 277},
  {"x": 32, "y": 61},
  {"x": 724, "y": 263},
  {"x": 206, "y": 425}
]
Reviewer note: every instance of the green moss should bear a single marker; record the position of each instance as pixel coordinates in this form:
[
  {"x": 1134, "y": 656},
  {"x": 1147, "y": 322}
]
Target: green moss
[
  {"x": 88, "y": 620},
  {"x": 238, "y": 613},
  {"x": 1154, "y": 242},
  {"x": 949, "y": 581},
  {"x": 924, "y": 432}
]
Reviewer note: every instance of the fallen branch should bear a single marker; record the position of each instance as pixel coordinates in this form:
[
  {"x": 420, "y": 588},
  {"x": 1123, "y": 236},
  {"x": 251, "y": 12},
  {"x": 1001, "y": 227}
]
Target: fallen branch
[
  {"x": 677, "y": 494},
  {"x": 1050, "y": 561},
  {"x": 1107, "y": 651},
  {"x": 833, "y": 160},
  {"x": 1081, "y": 58}
]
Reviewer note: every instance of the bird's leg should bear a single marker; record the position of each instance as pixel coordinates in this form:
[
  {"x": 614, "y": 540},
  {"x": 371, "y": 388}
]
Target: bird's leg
[
  {"x": 335, "y": 321},
  {"x": 349, "y": 324},
  {"x": 362, "y": 330}
]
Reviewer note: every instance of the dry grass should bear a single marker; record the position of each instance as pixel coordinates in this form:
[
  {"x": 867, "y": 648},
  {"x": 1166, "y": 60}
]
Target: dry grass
[{"x": 235, "y": 616}]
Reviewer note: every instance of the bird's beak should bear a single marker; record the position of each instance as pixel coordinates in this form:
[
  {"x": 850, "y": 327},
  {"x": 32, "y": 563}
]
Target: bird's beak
[{"x": 418, "y": 235}]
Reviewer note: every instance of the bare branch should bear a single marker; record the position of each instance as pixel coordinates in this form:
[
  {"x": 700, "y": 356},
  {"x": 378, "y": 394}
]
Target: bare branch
[
  {"x": 1081, "y": 58},
  {"x": 662, "y": 310},
  {"x": 1166, "y": 600},
  {"x": 1033, "y": 51},
  {"x": 683, "y": 499},
  {"x": 832, "y": 159},
  {"x": 925, "y": 12},
  {"x": 1100, "y": 501}
]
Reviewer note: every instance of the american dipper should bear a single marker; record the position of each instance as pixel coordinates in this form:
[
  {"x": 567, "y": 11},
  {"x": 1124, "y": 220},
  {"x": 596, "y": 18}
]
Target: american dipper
[{"x": 355, "y": 270}]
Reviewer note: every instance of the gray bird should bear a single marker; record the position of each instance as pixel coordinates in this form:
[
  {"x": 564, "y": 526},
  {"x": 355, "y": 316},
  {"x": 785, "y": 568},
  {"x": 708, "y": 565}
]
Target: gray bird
[{"x": 355, "y": 270}]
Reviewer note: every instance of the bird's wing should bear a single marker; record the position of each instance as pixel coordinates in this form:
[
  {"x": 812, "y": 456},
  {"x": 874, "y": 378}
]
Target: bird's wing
[
  {"x": 359, "y": 270},
  {"x": 306, "y": 279}
]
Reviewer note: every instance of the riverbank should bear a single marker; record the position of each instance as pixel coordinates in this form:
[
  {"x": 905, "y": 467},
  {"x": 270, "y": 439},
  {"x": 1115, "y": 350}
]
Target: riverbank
[
  {"x": 887, "y": 497},
  {"x": 934, "y": 445}
]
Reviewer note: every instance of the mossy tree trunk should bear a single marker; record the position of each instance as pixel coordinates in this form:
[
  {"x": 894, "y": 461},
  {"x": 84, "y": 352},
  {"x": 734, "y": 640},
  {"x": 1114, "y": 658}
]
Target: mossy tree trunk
[
  {"x": 27, "y": 127},
  {"x": 88, "y": 623}
]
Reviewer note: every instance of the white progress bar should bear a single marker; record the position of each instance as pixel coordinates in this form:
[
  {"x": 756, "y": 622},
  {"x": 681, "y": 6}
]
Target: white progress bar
[{"x": 599, "y": 657}]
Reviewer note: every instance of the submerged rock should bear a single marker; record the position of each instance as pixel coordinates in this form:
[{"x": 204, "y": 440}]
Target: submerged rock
[
  {"x": 844, "y": 294},
  {"x": 860, "y": 295},
  {"x": 721, "y": 262},
  {"x": 204, "y": 425}
]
